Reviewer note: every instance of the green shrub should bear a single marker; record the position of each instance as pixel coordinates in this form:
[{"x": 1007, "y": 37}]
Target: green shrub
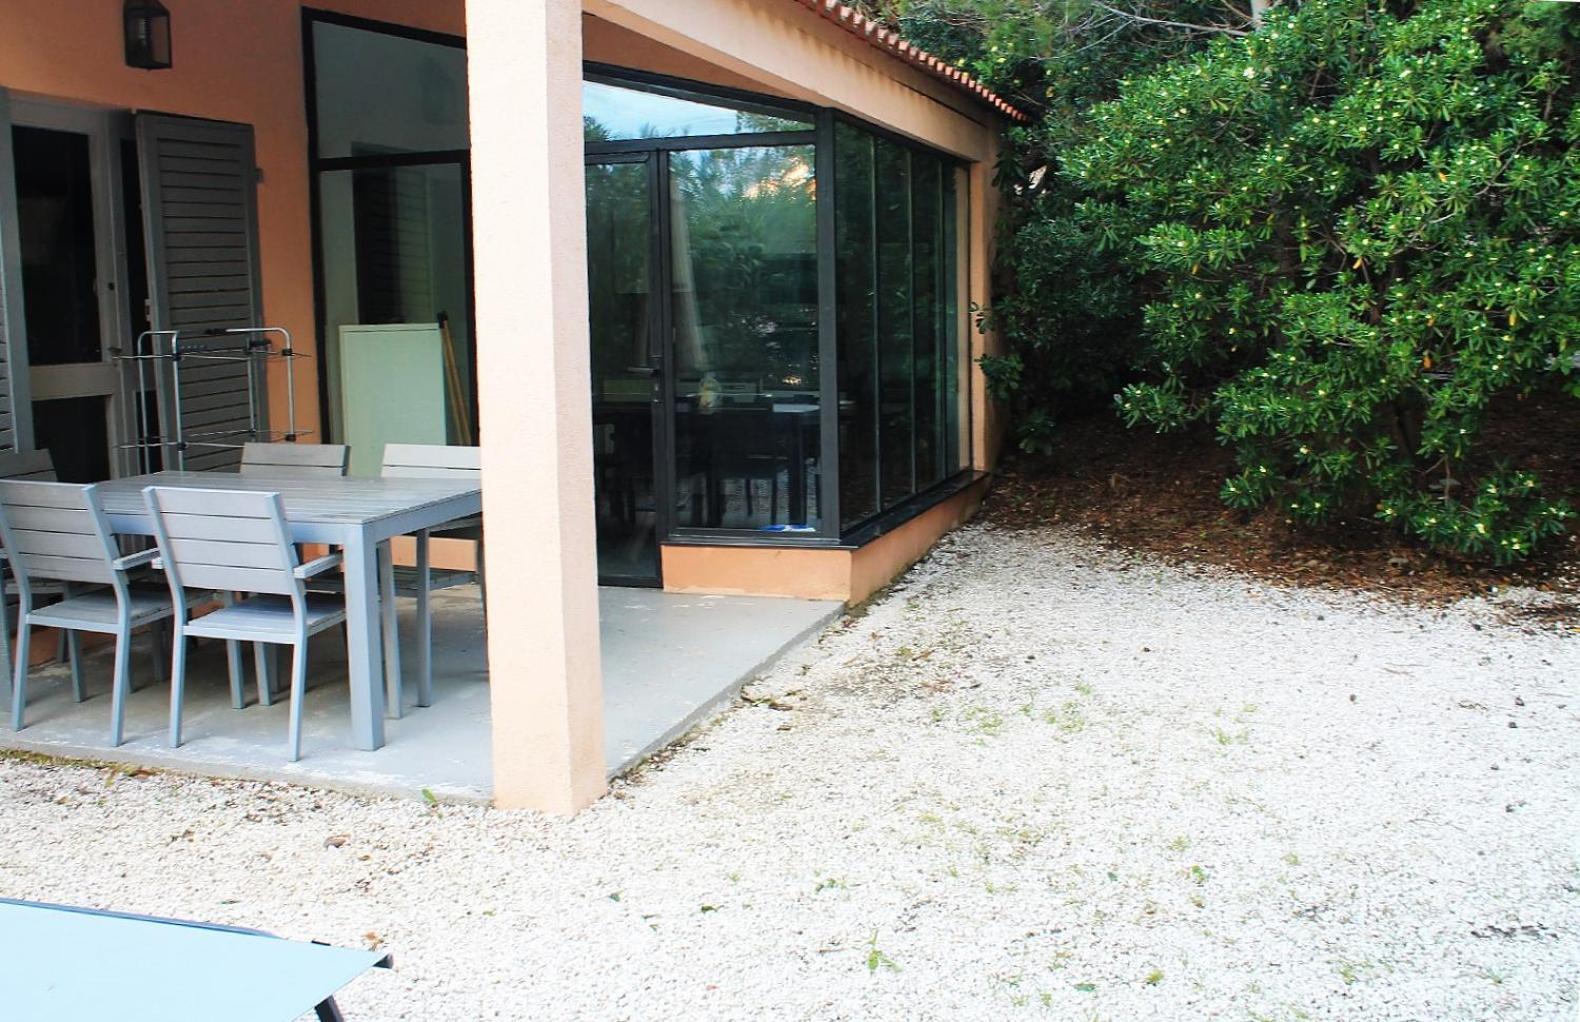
[
  {"x": 1338, "y": 239},
  {"x": 1070, "y": 272},
  {"x": 1362, "y": 222}
]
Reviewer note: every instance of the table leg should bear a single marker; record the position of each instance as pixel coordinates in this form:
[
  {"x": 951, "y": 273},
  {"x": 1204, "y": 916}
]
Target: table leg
[
  {"x": 394, "y": 701},
  {"x": 424, "y": 624},
  {"x": 363, "y": 662}
]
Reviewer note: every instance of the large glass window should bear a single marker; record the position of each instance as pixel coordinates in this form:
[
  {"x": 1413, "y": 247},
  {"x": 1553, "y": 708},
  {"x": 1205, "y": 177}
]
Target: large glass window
[
  {"x": 381, "y": 93},
  {"x": 855, "y": 231},
  {"x": 743, "y": 306},
  {"x": 393, "y": 229},
  {"x": 898, "y": 231}
]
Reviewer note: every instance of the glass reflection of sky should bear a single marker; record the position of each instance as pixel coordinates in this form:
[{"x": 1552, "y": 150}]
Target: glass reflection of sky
[{"x": 627, "y": 113}]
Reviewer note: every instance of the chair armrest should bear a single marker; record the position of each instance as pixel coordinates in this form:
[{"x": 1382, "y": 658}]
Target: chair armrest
[
  {"x": 317, "y": 567},
  {"x": 136, "y": 560}
]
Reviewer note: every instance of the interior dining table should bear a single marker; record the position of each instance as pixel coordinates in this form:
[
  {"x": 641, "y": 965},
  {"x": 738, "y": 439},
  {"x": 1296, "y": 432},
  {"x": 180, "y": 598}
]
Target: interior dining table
[{"x": 359, "y": 516}]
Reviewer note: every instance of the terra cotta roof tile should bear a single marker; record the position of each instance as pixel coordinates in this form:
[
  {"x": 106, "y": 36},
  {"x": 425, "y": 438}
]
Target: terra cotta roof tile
[{"x": 886, "y": 39}]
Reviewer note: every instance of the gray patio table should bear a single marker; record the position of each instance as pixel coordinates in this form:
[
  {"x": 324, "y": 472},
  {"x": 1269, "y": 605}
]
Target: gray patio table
[
  {"x": 63, "y": 964},
  {"x": 357, "y": 515}
]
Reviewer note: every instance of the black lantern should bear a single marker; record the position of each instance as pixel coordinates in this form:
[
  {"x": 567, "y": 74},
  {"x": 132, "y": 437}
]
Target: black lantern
[{"x": 147, "y": 24}]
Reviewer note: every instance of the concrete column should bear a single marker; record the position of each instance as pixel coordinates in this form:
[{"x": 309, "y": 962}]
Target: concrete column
[{"x": 530, "y": 264}]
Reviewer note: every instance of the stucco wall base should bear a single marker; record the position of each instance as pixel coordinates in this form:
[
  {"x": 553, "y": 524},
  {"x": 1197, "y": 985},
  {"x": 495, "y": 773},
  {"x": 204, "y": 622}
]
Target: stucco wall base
[{"x": 851, "y": 575}]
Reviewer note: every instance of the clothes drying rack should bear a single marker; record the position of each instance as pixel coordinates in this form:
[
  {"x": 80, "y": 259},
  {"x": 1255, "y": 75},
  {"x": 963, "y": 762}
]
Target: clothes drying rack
[{"x": 158, "y": 356}]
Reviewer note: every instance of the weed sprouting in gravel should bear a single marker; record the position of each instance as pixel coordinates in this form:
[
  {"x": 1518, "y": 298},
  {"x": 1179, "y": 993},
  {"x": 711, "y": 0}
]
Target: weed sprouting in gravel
[
  {"x": 1223, "y": 737},
  {"x": 876, "y": 959},
  {"x": 983, "y": 720},
  {"x": 1069, "y": 718}
]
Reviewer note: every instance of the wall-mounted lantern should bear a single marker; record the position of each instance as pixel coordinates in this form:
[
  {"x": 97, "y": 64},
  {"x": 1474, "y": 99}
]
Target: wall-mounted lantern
[{"x": 147, "y": 24}]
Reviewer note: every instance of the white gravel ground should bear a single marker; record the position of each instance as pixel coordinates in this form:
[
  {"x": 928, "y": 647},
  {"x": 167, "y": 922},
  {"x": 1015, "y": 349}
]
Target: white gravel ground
[{"x": 1040, "y": 779}]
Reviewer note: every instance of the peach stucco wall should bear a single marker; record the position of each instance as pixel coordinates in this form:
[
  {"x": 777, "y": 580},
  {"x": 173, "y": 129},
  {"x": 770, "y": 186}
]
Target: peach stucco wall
[
  {"x": 878, "y": 563},
  {"x": 807, "y": 574},
  {"x": 235, "y": 60}
]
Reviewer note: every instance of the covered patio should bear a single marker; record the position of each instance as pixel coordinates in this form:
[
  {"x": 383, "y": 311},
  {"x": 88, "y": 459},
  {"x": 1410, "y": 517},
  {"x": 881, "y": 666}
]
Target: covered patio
[
  {"x": 669, "y": 660},
  {"x": 693, "y": 282}
]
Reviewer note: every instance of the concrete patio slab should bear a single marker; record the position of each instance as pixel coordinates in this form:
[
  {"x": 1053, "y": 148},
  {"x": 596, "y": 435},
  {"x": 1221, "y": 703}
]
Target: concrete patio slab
[{"x": 669, "y": 659}]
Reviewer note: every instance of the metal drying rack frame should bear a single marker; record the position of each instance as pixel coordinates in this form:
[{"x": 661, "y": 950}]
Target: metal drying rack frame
[{"x": 253, "y": 347}]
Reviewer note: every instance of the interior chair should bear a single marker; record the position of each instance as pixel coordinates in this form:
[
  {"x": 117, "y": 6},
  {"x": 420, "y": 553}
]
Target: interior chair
[
  {"x": 292, "y": 460},
  {"x": 58, "y": 532},
  {"x": 237, "y": 542}
]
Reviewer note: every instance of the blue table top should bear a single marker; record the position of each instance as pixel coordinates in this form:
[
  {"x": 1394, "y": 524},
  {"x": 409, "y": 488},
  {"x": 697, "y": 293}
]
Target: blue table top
[{"x": 69, "y": 965}]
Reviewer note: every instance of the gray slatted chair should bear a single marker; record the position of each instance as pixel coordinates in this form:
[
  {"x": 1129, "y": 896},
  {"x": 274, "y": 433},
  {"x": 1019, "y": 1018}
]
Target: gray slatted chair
[
  {"x": 233, "y": 542},
  {"x": 290, "y": 461},
  {"x": 422, "y": 461},
  {"x": 294, "y": 460},
  {"x": 432, "y": 461},
  {"x": 36, "y": 466},
  {"x": 58, "y": 531}
]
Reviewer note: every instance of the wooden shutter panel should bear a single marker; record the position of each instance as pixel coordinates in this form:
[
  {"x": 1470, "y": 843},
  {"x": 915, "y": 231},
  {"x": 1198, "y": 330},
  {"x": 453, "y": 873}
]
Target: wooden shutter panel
[
  {"x": 15, "y": 429},
  {"x": 200, "y": 212}
]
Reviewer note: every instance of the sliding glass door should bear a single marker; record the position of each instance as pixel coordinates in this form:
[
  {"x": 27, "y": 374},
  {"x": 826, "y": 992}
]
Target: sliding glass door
[
  {"x": 702, "y": 235},
  {"x": 624, "y": 318}
]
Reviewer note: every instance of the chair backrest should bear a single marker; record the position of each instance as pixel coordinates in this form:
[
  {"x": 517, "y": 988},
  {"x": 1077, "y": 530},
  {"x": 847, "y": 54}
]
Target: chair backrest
[
  {"x": 36, "y": 465},
  {"x": 295, "y": 459},
  {"x": 55, "y": 531},
  {"x": 230, "y": 540},
  {"x": 431, "y": 461}
]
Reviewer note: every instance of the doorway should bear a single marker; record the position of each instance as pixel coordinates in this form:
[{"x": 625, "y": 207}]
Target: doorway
[
  {"x": 72, "y": 212},
  {"x": 705, "y": 243}
]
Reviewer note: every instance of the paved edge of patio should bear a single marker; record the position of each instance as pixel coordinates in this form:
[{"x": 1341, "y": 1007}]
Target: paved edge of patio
[
  {"x": 726, "y": 696},
  {"x": 140, "y": 758},
  {"x": 372, "y": 785}
]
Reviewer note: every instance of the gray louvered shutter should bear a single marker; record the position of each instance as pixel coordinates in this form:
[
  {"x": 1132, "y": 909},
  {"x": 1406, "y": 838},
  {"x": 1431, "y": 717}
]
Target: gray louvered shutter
[
  {"x": 15, "y": 431},
  {"x": 200, "y": 212}
]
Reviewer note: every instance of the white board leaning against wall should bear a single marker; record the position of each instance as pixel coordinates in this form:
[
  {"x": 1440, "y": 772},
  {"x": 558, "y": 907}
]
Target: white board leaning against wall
[{"x": 392, "y": 389}]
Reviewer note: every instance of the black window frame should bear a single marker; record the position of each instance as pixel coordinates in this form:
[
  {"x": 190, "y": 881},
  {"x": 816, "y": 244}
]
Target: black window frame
[{"x": 317, "y": 165}]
